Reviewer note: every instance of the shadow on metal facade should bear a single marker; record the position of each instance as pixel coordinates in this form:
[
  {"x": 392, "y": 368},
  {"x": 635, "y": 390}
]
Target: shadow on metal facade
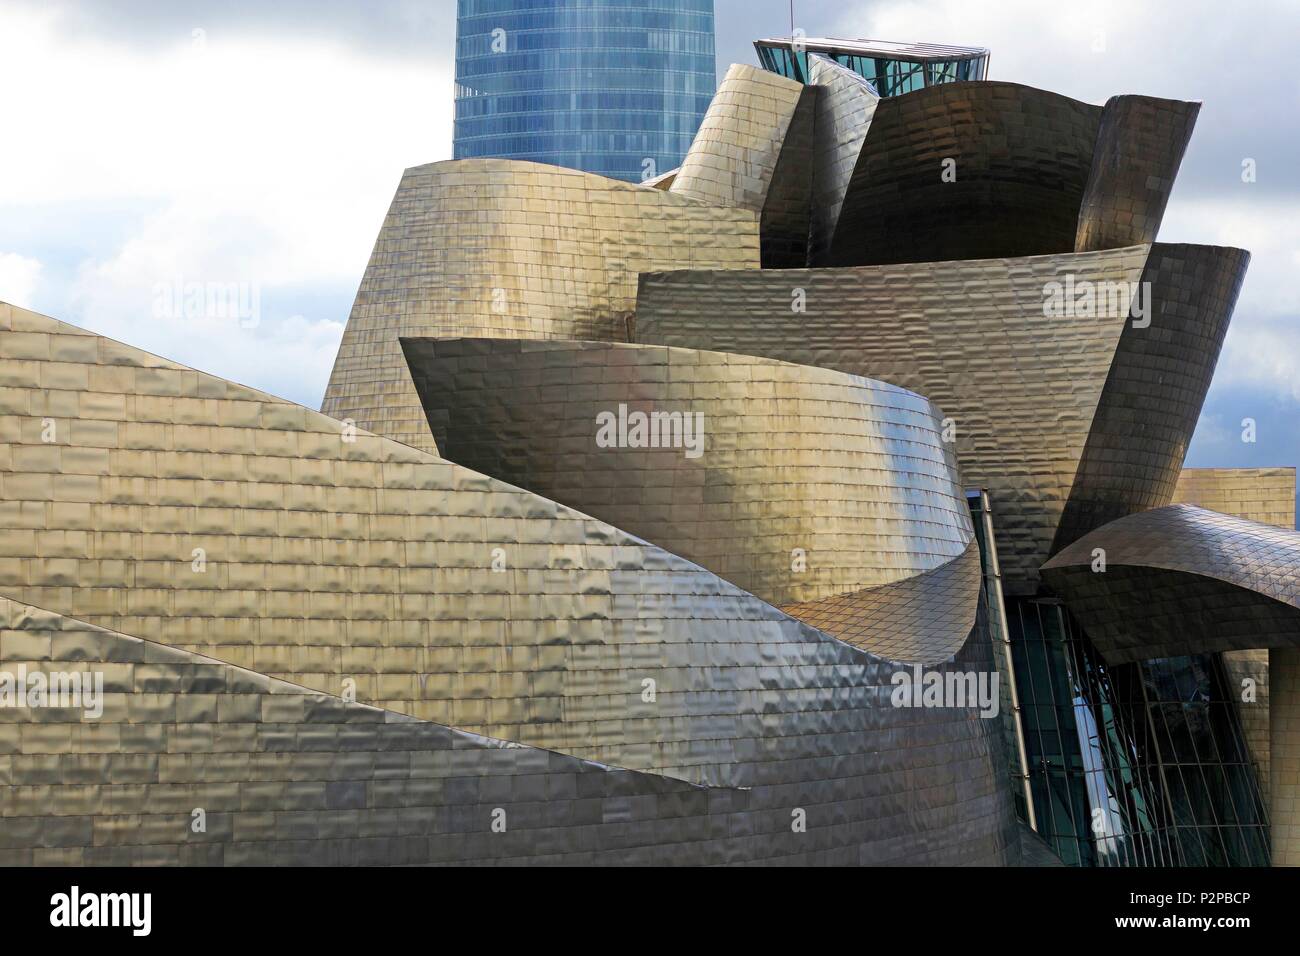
[
  {"x": 1182, "y": 580},
  {"x": 421, "y": 643},
  {"x": 805, "y": 486},
  {"x": 227, "y": 524}
]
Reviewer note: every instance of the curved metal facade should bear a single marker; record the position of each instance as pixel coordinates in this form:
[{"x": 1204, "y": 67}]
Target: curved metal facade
[
  {"x": 1182, "y": 580},
  {"x": 1157, "y": 384},
  {"x": 1020, "y": 163},
  {"x": 347, "y": 563},
  {"x": 989, "y": 169},
  {"x": 398, "y": 601},
  {"x": 797, "y": 484},
  {"x": 846, "y": 106},
  {"x": 1022, "y": 387},
  {"x": 1140, "y": 146},
  {"x": 513, "y": 250},
  {"x": 733, "y": 157}
]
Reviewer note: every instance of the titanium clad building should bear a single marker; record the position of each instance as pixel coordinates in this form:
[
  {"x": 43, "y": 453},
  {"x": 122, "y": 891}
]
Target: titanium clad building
[
  {"x": 615, "y": 87},
  {"x": 748, "y": 515}
]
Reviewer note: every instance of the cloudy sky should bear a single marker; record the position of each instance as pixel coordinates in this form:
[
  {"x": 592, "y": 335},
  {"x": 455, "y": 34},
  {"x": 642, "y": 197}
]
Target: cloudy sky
[{"x": 154, "y": 142}]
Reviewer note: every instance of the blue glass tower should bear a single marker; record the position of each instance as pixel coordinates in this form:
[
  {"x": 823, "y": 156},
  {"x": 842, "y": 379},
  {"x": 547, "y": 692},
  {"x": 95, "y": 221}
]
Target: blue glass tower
[{"x": 616, "y": 87}]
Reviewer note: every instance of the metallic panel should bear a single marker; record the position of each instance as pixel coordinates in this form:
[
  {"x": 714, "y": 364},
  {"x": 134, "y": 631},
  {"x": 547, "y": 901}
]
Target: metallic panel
[
  {"x": 1284, "y": 811},
  {"x": 1182, "y": 580},
  {"x": 347, "y": 563},
  {"x": 1266, "y": 495},
  {"x": 810, "y": 485},
  {"x": 1156, "y": 387},
  {"x": 518, "y": 250},
  {"x": 734, "y": 154},
  {"x": 1140, "y": 146},
  {"x": 846, "y": 105},
  {"x": 289, "y": 776},
  {"x": 1022, "y": 159},
  {"x": 662, "y": 181},
  {"x": 919, "y": 618},
  {"x": 1021, "y": 387},
  {"x": 786, "y": 223}
]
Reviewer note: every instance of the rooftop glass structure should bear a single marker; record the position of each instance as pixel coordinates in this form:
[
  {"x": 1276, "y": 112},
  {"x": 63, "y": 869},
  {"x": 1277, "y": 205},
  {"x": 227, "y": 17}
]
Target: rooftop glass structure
[
  {"x": 892, "y": 68},
  {"x": 615, "y": 87}
]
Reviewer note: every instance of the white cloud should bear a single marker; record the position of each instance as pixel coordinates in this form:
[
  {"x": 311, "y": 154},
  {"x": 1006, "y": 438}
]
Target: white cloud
[
  {"x": 18, "y": 278},
  {"x": 1187, "y": 49},
  {"x": 1262, "y": 350},
  {"x": 270, "y": 162}
]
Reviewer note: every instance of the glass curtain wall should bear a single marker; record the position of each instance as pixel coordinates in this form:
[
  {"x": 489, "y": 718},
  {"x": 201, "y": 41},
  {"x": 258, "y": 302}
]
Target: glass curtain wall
[
  {"x": 615, "y": 87},
  {"x": 1139, "y": 764}
]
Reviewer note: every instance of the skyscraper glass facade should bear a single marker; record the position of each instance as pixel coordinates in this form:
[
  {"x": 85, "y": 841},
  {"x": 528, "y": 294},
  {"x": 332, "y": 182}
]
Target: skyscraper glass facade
[{"x": 615, "y": 87}]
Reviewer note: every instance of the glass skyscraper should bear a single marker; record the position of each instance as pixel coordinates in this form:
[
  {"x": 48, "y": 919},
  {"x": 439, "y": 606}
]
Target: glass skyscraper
[{"x": 616, "y": 87}]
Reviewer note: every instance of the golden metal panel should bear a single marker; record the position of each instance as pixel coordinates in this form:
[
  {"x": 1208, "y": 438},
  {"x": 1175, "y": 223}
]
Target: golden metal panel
[
  {"x": 1266, "y": 495},
  {"x": 807, "y": 487},
  {"x": 1020, "y": 386},
  {"x": 510, "y": 249},
  {"x": 733, "y": 157},
  {"x": 447, "y": 596}
]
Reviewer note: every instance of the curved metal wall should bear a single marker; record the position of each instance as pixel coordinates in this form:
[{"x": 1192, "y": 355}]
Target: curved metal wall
[
  {"x": 1020, "y": 157},
  {"x": 1182, "y": 580},
  {"x": 989, "y": 169},
  {"x": 786, "y": 223},
  {"x": 1156, "y": 387},
  {"x": 732, "y": 159},
  {"x": 1140, "y": 146},
  {"x": 1021, "y": 386},
  {"x": 846, "y": 104},
  {"x": 344, "y": 562},
  {"x": 797, "y": 484},
  {"x": 516, "y": 250}
]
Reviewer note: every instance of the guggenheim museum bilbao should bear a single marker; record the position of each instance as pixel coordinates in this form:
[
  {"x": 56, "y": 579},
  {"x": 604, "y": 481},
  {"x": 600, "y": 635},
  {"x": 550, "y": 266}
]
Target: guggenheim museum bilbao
[{"x": 820, "y": 501}]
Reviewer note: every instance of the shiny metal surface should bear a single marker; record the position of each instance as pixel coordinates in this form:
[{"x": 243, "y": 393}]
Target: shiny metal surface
[
  {"x": 1156, "y": 386},
  {"x": 734, "y": 155},
  {"x": 1028, "y": 172},
  {"x": 1140, "y": 145},
  {"x": 846, "y": 106},
  {"x": 917, "y": 618},
  {"x": 1019, "y": 160},
  {"x": 1022, "y": 388},
  {"x": 1182, "y": 580},
  {"x": 808, "y": 487},
  {"x": 352, "y": 649},
  {"x": 515, "y": 250},
  {"x": 1266, "y": 495},
  {"x": 361, "y": 565}
]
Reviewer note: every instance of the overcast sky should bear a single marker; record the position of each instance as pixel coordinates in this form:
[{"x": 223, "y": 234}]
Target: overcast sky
[{"x": 164, "y": 141}]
